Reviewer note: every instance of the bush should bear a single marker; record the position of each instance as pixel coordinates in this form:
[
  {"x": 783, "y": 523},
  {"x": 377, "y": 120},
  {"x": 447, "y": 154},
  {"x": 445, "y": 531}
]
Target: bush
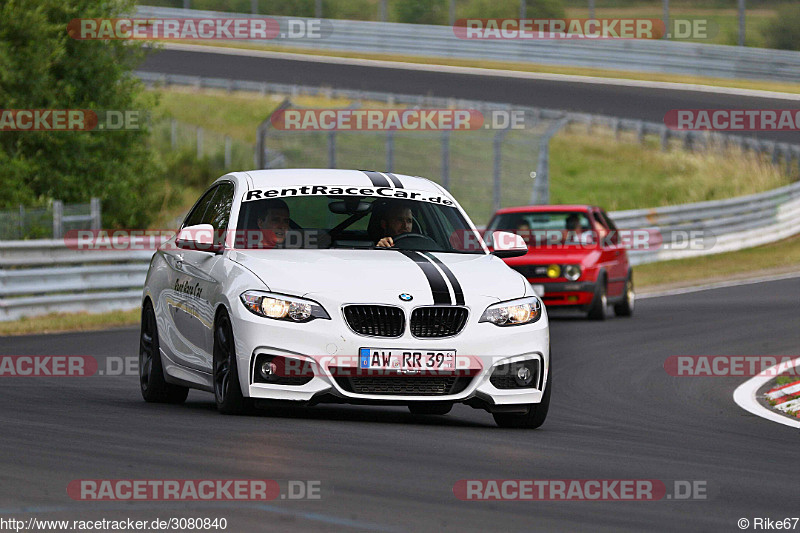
[
  {"x": 784, "y": 32},
  {"x": 421, "y": 11},
  {"x": 510, "y": 9}
]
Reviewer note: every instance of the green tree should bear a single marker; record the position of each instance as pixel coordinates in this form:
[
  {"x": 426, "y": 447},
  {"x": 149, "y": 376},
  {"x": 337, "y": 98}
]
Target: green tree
[
  {"x": 784, "y": 32},
  {"x": 42, "y": 67}
]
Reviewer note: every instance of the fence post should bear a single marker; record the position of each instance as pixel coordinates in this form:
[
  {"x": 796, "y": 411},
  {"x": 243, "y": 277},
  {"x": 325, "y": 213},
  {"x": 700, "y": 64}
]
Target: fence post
[
  {"x": 227, "y": 152},
  {"x": 390, "y": 151},
  {"x": 173, "y": 133},
  {"x": 541, "y": 185},
  {"x": 498, "y": 155},
  {"x": 94, "y": 210},
  {"x": 615, "y": 126},
  {"x": 446, "y": 159},
  {"x": 58, "y": 213},
  {"x": 254, "y": 7},
  {"x": 332, "y": 149},
  {"x": 664, "y": 138},
  {"x": 21, "y": 221},
  {"x": 199, "y": 142},
  {"x": 640, "y": 132}
]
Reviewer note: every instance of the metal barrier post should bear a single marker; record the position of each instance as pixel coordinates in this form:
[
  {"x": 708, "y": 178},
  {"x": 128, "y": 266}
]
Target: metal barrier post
[
  {"x": 446, "y": 159},
  {"x": 199, "y": 142},
  {"x": 94, "y": 210},
  {"x": 389, "y": 151},
  {"x": 332, "y": 149},
  {"x": 498, "y": 155},
  {"x": 58, "y": 213}
]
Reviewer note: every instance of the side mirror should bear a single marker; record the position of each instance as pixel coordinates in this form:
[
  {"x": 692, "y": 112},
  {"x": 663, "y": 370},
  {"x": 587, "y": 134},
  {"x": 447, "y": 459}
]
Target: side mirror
[
  {"x": 505, "y": 244},
  {"x": 199, "y": 237}
]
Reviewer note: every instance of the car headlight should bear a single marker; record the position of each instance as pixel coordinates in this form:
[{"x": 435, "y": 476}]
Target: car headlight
[
  {"x": 282, "y": 307},
  {"x": 572, "y": 272},
  {"x": 514, "y": 312}
]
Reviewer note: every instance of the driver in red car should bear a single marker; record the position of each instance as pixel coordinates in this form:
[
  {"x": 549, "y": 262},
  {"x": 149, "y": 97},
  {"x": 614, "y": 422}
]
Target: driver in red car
[{"x": 396, "y": 220}]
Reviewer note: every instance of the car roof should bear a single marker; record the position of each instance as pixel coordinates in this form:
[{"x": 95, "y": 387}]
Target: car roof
[
  {"x": 293, "y": 177},
  {"x": 544, "y": 208}
]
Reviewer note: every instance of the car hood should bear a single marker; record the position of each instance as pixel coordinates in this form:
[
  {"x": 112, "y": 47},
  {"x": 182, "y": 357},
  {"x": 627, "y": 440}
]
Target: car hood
[
  {"x": 378, "y": 275},
  {"x": 554, "y": 254}
]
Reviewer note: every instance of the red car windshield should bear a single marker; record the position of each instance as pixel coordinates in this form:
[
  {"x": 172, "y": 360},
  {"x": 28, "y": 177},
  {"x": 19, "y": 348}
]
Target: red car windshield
[{"x": 542, "y": 227}]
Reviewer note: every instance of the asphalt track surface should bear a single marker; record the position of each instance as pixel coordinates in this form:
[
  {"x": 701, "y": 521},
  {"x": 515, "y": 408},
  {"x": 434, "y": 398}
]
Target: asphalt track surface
[
  {"x": 615, "y": 414},
  {"x": 642, "y": 103}
]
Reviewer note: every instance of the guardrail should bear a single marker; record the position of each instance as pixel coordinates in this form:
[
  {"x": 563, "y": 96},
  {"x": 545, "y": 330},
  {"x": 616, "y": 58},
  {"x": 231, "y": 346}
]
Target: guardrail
[
  {"x": 706, "y": 60},
  {"x": 46, "y": 276},
  {"x": 719, "y": 226}
]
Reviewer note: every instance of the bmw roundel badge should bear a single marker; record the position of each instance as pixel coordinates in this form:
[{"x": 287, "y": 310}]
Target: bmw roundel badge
[{"x": 406, "y": 297}]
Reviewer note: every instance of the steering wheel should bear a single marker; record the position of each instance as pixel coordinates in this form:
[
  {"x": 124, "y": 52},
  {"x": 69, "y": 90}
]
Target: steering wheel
[{"x": 402, "y": 236}]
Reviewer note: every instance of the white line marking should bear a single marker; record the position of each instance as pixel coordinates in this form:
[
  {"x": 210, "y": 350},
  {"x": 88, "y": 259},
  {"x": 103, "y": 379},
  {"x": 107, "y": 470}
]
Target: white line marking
[
  {"x": 745, "y": 397},
  {"x": 475, "y": 71}
]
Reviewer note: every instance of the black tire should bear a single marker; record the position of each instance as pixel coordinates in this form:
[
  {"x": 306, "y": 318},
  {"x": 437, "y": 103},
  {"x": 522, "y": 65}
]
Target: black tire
[
  {"x": 227, "y": 390},
  {"x": 536, "y": 415},
  {"x": 430, "y": 408},
  {"x": 599, "y": 306},
  {"x": 154, "y": 387},
  {"x": 625, "y": 307}
]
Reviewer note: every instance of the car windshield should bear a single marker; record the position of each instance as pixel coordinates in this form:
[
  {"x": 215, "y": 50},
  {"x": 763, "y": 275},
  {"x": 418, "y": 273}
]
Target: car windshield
[
  {"x": 354, "y": 222},
  {"x": 544, "y": 227}
]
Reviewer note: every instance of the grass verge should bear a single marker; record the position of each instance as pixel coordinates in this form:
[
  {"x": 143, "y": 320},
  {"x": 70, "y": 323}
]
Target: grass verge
[
  {"x": 61, "y": 322},
  {"x": 711, "y": 268}
]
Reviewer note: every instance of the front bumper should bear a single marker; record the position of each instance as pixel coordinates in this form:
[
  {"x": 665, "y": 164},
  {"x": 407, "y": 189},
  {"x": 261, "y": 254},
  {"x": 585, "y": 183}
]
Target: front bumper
[
  {"x": 565, "y": 293},
  {"x": 327, "y": 344}
]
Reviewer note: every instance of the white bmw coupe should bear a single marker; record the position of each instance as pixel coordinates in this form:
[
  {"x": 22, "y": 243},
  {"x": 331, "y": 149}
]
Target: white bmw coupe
[{"x": 310, "y": 286}]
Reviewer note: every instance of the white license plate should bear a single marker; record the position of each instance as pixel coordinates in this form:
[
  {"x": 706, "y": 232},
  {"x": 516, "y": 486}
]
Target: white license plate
[
  {"x": 393, "y": 359},
  {"x": 538, "y": 289}
]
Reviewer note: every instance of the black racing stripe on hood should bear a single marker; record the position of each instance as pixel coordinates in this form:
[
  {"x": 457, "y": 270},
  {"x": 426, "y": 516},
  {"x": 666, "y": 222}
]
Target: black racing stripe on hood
[
  {"x": 459, "y": 294},
  {"x": 441, "y": 294}
]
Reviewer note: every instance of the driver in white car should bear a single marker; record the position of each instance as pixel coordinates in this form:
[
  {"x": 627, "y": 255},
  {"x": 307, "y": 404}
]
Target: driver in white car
[
  {"x": 275, "y": 223},
  {"x": 396, "y": 220}
]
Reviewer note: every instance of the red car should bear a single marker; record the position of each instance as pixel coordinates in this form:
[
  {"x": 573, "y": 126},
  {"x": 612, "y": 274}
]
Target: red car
[{"x": 575, "y": 258}]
